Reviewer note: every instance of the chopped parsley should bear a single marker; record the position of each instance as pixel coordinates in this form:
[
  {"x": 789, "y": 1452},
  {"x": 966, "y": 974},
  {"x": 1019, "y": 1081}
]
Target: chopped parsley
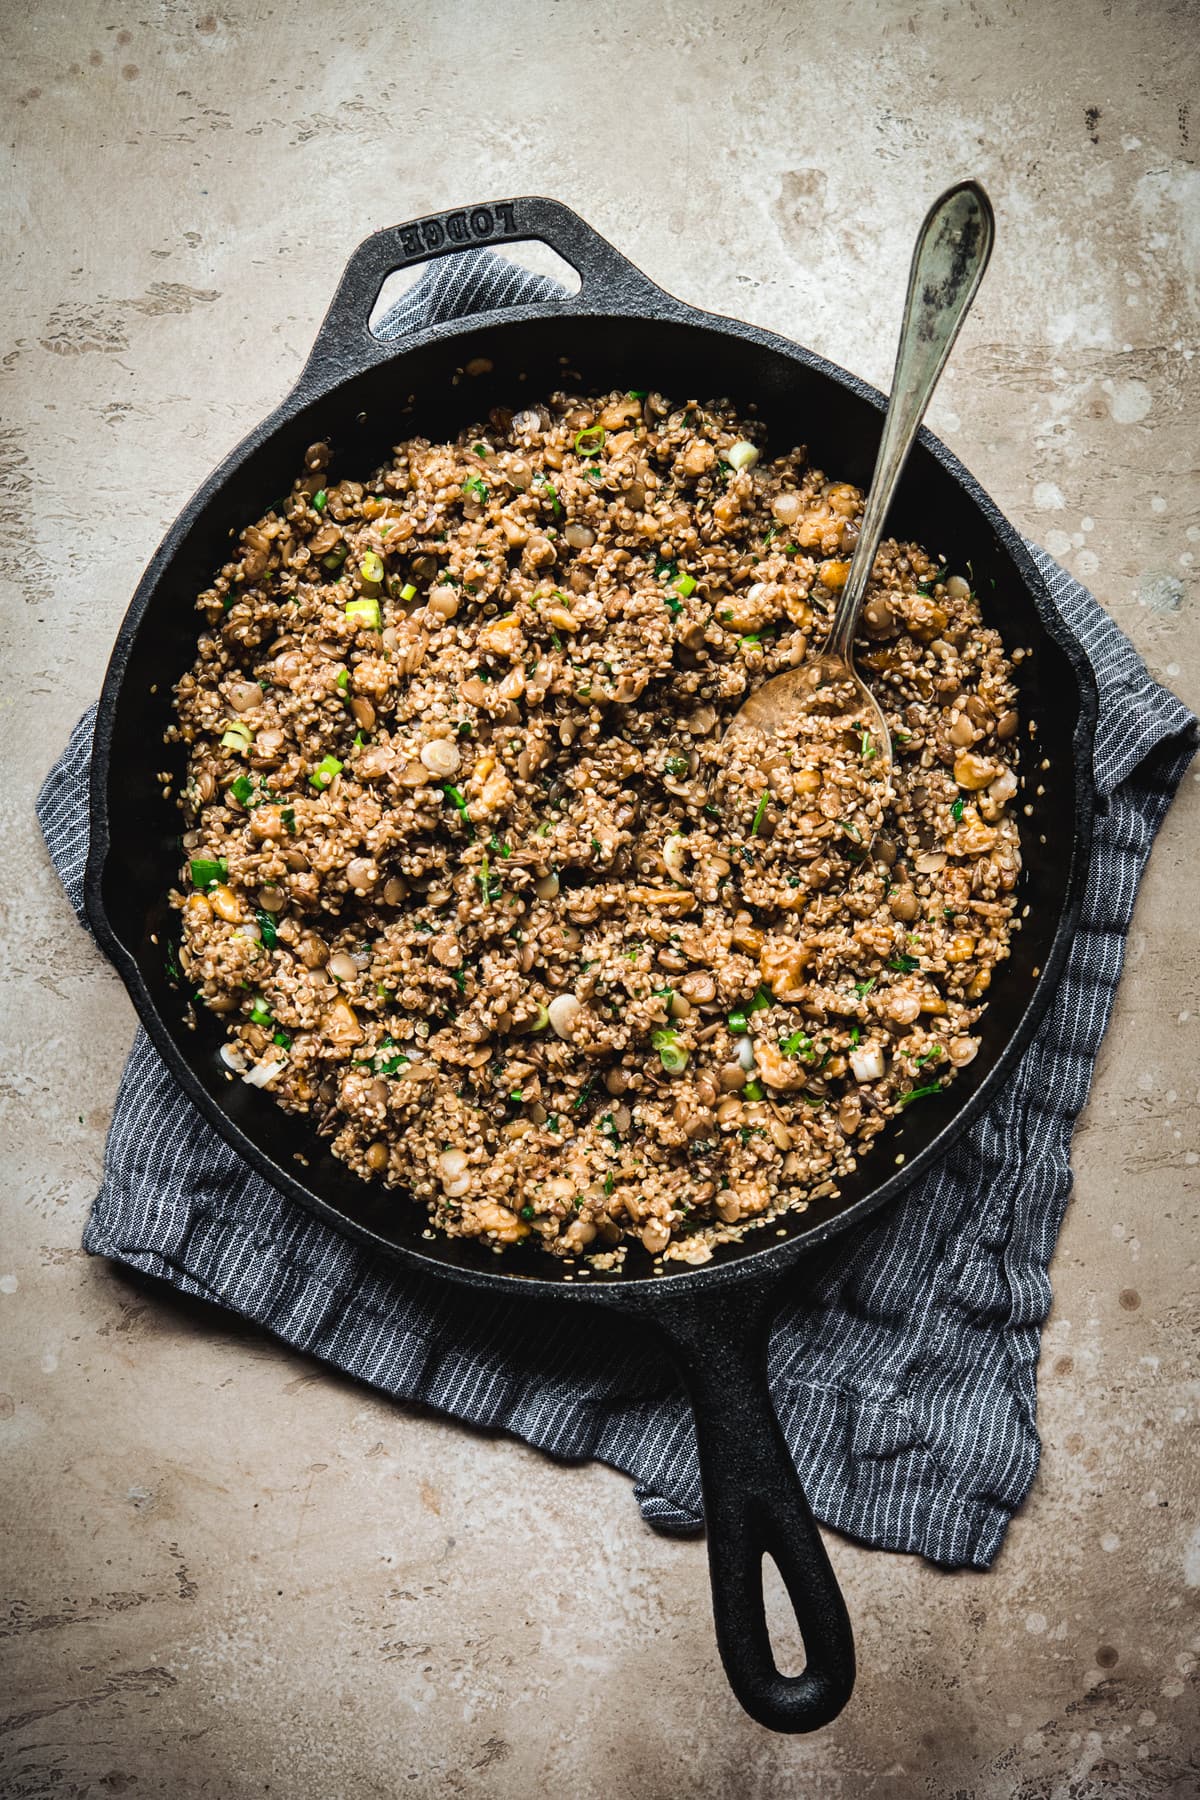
[{"x": 904, "y": 964}]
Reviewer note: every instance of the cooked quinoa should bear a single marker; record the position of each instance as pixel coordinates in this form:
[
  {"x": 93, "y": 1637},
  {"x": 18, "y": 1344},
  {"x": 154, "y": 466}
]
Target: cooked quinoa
[{"x": 476, "y": 880}]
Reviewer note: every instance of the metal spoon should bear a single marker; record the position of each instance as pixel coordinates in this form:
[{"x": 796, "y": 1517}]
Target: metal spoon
[{"x": 950, "y": 256}]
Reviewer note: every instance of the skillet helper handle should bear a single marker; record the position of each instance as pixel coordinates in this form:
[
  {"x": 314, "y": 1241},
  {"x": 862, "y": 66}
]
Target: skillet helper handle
[
  {"x": 345, "y": 344},
  {"x": 754, "y": 1505}
]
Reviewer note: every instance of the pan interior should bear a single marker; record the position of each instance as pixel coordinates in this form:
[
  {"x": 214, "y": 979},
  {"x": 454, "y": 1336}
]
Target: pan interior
[{"x": 423, "y": 391}]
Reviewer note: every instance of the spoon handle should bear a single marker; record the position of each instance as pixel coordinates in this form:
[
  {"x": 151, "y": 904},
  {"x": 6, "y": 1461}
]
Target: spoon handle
[{"x": 951, "y": 254}]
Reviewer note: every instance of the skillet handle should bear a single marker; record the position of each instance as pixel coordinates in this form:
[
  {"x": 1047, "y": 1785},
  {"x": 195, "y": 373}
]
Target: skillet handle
[
  {"x": 754, "y": 1506},
  {"x": 345, "y": 345}
]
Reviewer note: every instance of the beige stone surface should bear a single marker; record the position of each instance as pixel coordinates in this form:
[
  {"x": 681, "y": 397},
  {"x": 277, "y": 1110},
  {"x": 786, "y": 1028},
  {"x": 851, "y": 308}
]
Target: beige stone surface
[{"x": 225, "y": 1571}]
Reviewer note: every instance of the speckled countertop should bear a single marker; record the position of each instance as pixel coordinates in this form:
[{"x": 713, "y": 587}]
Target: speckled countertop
[{"x": 225, "y": 1571}]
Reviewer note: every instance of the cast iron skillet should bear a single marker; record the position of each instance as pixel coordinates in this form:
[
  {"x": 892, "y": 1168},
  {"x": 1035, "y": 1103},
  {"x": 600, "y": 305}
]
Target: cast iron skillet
[{"x": 363, "y": 396}]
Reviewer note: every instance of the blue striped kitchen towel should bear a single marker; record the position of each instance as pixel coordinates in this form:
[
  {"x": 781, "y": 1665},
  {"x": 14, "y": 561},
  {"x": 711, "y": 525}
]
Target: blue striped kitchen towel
[{"x": 905, "y": 1379}]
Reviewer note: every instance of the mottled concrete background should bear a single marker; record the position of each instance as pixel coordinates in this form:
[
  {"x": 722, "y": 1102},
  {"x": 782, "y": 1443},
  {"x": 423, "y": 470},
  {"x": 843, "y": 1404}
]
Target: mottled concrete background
[{"x": 226, "y": 1572}]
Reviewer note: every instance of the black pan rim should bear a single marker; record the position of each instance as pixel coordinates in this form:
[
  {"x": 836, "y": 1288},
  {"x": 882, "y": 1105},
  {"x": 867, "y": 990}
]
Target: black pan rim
[{"x": 759, "y": 1261}]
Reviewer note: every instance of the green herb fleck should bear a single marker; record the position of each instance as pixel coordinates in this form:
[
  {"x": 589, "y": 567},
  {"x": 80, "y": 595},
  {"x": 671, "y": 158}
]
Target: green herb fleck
[
  {"x": 671, "y": 1053},
  {"x": 323, "y": 774},
  {"x": 921, "y": 1093},
  {"x": 457, "y": 799},
  {"x": 208, "y": 871}
]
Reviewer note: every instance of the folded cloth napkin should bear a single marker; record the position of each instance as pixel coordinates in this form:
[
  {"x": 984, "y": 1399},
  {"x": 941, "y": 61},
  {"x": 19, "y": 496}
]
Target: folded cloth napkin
[{"x": 904, "y": 1378}]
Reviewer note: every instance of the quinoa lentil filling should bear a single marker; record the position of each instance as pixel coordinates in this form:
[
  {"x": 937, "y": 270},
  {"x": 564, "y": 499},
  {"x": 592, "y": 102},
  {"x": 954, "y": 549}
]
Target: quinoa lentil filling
[{"x": 475, "y": 882}]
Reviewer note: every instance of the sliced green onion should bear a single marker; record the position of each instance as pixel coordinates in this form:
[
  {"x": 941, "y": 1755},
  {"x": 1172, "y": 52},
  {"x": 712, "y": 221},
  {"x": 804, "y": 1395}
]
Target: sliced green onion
[
  {"x": 921, "y": 1093},
  {"x": 343, "y": 681},
  {"x": 760, "y": 812},
  {"x": 242, "y": 789},
  {"x": 323, "y": 774},
  {"x": 207, "y": 871},
  {"x": 260, "y": 1013},
  {"x": 753, "y": 1091},
  {"x": 266, "y": 924},
  {"x": 684, "y": 584},
  {"x": 364, "y": 612},
  {"x": 590, "y": 442},
  {"x": 282, "y": 1039},
  {"x": 761, "y": 1001},
  {"x": 319, "y": 499},
  {"x": 672, "y": 1055},
  {"x": 742, "y": 455},
  {"x": 335, "y": 559},
  {"x": 408, "y": 591},
  {"x": 738, "y": 1023},
  {"x": 456, "y": 797},
  {"x": 237, "y": 737},
  {"x": 542, "y": 1020},
  {"x": 637, "y": 393},
  {"x": 371, "y": 566},
  {"x": 956, "y": 811}
]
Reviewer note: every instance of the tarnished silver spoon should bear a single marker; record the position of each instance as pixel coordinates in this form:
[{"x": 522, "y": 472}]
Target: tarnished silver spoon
[{"x": 950, "y": 256}]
